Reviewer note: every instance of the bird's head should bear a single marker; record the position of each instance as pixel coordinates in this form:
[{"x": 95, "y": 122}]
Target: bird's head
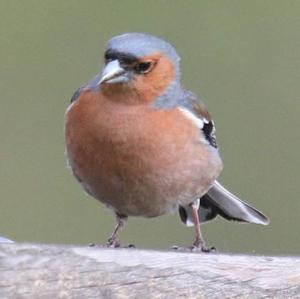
[{"x": 140, "y": 63}]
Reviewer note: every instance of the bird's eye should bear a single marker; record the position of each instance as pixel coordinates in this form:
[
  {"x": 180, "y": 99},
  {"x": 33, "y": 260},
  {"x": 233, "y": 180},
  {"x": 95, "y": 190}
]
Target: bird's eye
[{"x": 143, "y": 67}]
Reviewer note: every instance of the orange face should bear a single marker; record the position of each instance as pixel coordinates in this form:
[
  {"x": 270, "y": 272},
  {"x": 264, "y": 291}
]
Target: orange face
[{"x": 143, "y": 79}]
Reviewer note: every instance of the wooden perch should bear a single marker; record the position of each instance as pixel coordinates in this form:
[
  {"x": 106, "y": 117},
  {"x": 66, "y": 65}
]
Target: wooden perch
[{"x": 43, "y": 271}]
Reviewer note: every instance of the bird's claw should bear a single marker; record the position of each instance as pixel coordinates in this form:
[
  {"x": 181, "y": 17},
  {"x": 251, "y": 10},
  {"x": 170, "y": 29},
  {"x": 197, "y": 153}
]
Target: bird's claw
[
  {"x": 194, "y": 248},
  {"x": 113, "y": 243},
  {"x": 203, "y": 248}
]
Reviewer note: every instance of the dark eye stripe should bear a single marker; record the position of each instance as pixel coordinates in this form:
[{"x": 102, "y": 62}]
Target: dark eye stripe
[{"x": 126, "y": 58}]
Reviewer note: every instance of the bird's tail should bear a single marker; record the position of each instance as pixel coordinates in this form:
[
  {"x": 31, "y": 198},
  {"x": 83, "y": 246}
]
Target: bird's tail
[{"x": 219, "y": 200}]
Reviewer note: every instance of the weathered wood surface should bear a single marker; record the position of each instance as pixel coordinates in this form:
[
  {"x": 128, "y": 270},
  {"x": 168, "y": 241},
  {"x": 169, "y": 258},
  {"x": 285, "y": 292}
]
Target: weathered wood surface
[{"x": 44, "y": 271}]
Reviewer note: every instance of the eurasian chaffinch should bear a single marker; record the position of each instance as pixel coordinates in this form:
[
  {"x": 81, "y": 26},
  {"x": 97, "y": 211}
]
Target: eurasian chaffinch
[{"x": 141, "y": 144}]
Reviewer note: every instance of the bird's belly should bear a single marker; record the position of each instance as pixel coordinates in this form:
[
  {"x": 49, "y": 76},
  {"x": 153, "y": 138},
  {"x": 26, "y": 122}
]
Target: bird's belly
[{"x": 141, "y": 171}]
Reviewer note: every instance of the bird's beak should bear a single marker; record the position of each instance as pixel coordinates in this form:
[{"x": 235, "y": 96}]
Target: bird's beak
[{"x": 113, "y": 73}]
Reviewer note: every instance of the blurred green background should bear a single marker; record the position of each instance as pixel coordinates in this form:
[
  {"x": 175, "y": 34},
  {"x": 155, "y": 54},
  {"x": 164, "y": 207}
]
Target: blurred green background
[{"x": 242, "y": 57}]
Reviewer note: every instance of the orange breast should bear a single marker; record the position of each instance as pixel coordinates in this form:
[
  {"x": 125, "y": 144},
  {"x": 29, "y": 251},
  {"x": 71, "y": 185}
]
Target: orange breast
[{"x": 139, "y": 160}]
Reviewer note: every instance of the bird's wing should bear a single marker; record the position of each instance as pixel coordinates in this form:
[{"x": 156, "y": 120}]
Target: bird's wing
[
  {"x": 231, "y": 207},
  {"x": 76, "y": 95},
  {"x": 196, "y": 110},
  {"x": 218, "y": 200}
]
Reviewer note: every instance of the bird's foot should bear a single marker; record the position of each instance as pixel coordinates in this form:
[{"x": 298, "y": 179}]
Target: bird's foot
[
  {"x": 199, "y": 246},
  {"x": 108, "y": 245},
  {"x": 203, "y": 248},
  {"x": 195, "y": 248},
  {"x": 113, "y": 243}
]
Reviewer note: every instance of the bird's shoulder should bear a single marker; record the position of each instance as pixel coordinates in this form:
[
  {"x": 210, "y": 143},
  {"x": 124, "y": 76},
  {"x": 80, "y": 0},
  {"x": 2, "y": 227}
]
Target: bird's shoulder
[
  {"x": 76, "y": 94},
  {"x": 196, "y": 110}
]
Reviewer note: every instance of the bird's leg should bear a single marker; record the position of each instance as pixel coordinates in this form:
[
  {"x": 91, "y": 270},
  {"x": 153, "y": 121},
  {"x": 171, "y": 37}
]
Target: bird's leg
[
  {"x": 112, "y": 241},
  {"x": 199, "y": 241}
]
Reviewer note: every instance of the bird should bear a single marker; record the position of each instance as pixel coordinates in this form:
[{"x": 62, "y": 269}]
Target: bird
[{"x": 144, "y": 146}]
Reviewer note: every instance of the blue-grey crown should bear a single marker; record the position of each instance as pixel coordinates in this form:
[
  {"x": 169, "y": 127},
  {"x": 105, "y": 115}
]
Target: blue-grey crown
[{"x": 142, "y": 44}]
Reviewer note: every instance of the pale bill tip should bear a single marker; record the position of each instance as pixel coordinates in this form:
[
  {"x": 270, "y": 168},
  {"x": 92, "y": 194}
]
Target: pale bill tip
[{"x": 111, "y": 71}]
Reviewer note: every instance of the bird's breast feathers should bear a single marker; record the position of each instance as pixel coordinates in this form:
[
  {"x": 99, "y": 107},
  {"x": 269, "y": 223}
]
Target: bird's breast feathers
[{"x": 118, "y": 145}]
